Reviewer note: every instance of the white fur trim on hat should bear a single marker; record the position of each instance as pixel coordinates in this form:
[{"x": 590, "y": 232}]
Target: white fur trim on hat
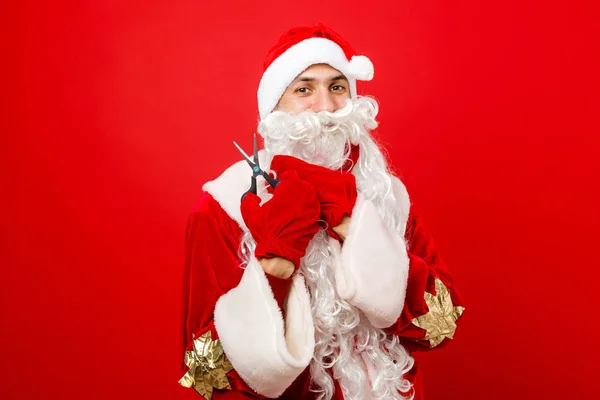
[{"x": 285, "y": 68}]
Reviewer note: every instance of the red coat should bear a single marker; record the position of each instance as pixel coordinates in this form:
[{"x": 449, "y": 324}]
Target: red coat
[{"x": 223, "y": 305}]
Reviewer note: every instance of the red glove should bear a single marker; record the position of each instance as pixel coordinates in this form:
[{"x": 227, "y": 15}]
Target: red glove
[
  {"x": 286, "y": 223},
  {"x": 336, "y": 189}
]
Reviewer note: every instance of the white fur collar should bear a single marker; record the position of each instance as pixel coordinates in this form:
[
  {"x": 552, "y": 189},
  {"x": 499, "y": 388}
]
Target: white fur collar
[{"x": 229, "y": 187}]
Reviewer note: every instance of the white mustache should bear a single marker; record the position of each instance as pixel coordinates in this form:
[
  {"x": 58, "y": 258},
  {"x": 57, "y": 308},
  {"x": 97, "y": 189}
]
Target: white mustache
[{"x": 323, "y": 137}]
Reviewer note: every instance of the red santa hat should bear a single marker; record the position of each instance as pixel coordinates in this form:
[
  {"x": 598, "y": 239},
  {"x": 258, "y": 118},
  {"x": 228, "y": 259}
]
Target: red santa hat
[{"x": 298, "y": 49}]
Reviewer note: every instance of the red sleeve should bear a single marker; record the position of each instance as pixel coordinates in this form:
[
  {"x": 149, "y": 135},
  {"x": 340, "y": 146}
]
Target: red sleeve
[
  {"x": 212, "y": 268},
  {"x": 432, "y": 306}
]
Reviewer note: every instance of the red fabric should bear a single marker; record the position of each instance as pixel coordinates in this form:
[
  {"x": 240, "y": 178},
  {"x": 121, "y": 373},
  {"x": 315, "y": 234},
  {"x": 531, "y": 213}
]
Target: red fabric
[
  {"x": 336, "y": 189},
  {"x": 280, "y": 288},
  {"x": 300, "y": 33},
  {"x": 426, "y": 265},
  {"x": 352, "y": 159},
  {"x": 212, "y": 268},
  {"x": 284, "y": 225}
]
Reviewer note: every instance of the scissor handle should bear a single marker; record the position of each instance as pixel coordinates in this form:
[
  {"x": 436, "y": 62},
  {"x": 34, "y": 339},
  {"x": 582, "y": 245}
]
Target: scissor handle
[
  {"x": 252, "y": 187},
  {"x": 273, "y": 182}
]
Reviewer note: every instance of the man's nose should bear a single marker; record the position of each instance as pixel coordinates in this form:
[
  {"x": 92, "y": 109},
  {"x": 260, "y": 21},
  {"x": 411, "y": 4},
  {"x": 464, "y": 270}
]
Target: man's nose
[{"x": 324, "y": 101}]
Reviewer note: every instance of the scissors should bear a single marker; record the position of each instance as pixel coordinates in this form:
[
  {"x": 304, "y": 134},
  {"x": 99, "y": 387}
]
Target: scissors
[{"x": 256, "y": 170}]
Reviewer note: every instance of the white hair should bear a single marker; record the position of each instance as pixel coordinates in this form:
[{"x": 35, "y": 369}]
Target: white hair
[{"x": 344, "y": 337}]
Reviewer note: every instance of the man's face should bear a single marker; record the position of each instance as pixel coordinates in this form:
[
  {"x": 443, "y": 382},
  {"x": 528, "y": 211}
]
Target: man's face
[{"x": 319, "y": 88}]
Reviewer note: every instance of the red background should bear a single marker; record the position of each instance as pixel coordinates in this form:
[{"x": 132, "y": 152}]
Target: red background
[{"x": 115, "y": 113}]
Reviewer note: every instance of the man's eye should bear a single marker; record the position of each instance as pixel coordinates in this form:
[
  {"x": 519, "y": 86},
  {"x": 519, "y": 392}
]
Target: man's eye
[
  {"x": 302, "y": 90},
  {"x": 337, "y": 88}
]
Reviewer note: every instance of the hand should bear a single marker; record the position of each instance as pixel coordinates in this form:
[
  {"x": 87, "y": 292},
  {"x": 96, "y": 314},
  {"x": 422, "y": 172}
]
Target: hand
[
  {"x": 277, "y": 266},
  {"x": 336, "y": 189},
  {"x": 342, "y": 229},
  {"x": 286, "y": 223}
]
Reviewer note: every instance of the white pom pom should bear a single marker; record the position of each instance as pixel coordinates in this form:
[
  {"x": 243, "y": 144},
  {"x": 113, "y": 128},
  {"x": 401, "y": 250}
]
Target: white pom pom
[{"x": 361, "y": 68}]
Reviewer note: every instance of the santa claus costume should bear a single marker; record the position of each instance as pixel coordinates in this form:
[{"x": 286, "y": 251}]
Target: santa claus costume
[{"x": 344, "y": 325}]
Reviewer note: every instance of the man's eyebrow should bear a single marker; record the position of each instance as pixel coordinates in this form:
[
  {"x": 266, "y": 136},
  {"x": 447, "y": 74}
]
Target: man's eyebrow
[
  {"x": 339, "y": 77},
  {"x": 311, "y": 79}
]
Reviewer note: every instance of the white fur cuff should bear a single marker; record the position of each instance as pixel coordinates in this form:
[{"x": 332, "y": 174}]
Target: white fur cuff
[
  {"x": 251, "y": 329},
  {"x": 372, "y": 270}
]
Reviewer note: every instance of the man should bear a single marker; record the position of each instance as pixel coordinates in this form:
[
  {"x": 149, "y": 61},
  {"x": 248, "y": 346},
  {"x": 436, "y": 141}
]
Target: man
[{"x": 317, "y": 288}]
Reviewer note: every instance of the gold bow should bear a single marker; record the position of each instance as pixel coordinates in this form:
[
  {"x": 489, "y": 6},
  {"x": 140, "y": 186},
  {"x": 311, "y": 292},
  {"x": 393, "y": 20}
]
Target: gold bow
[
  {"x": 440, "y": 321},
  {"x": 208, "y": 366}
]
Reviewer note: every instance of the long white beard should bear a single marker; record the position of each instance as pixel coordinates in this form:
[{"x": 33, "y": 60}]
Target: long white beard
[{"x": 343, "y": 335}]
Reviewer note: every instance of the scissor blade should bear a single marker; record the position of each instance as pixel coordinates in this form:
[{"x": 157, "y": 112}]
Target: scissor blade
[
  {"x": 255, "y": 151},
  {"x": 248, "y": 159}
]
